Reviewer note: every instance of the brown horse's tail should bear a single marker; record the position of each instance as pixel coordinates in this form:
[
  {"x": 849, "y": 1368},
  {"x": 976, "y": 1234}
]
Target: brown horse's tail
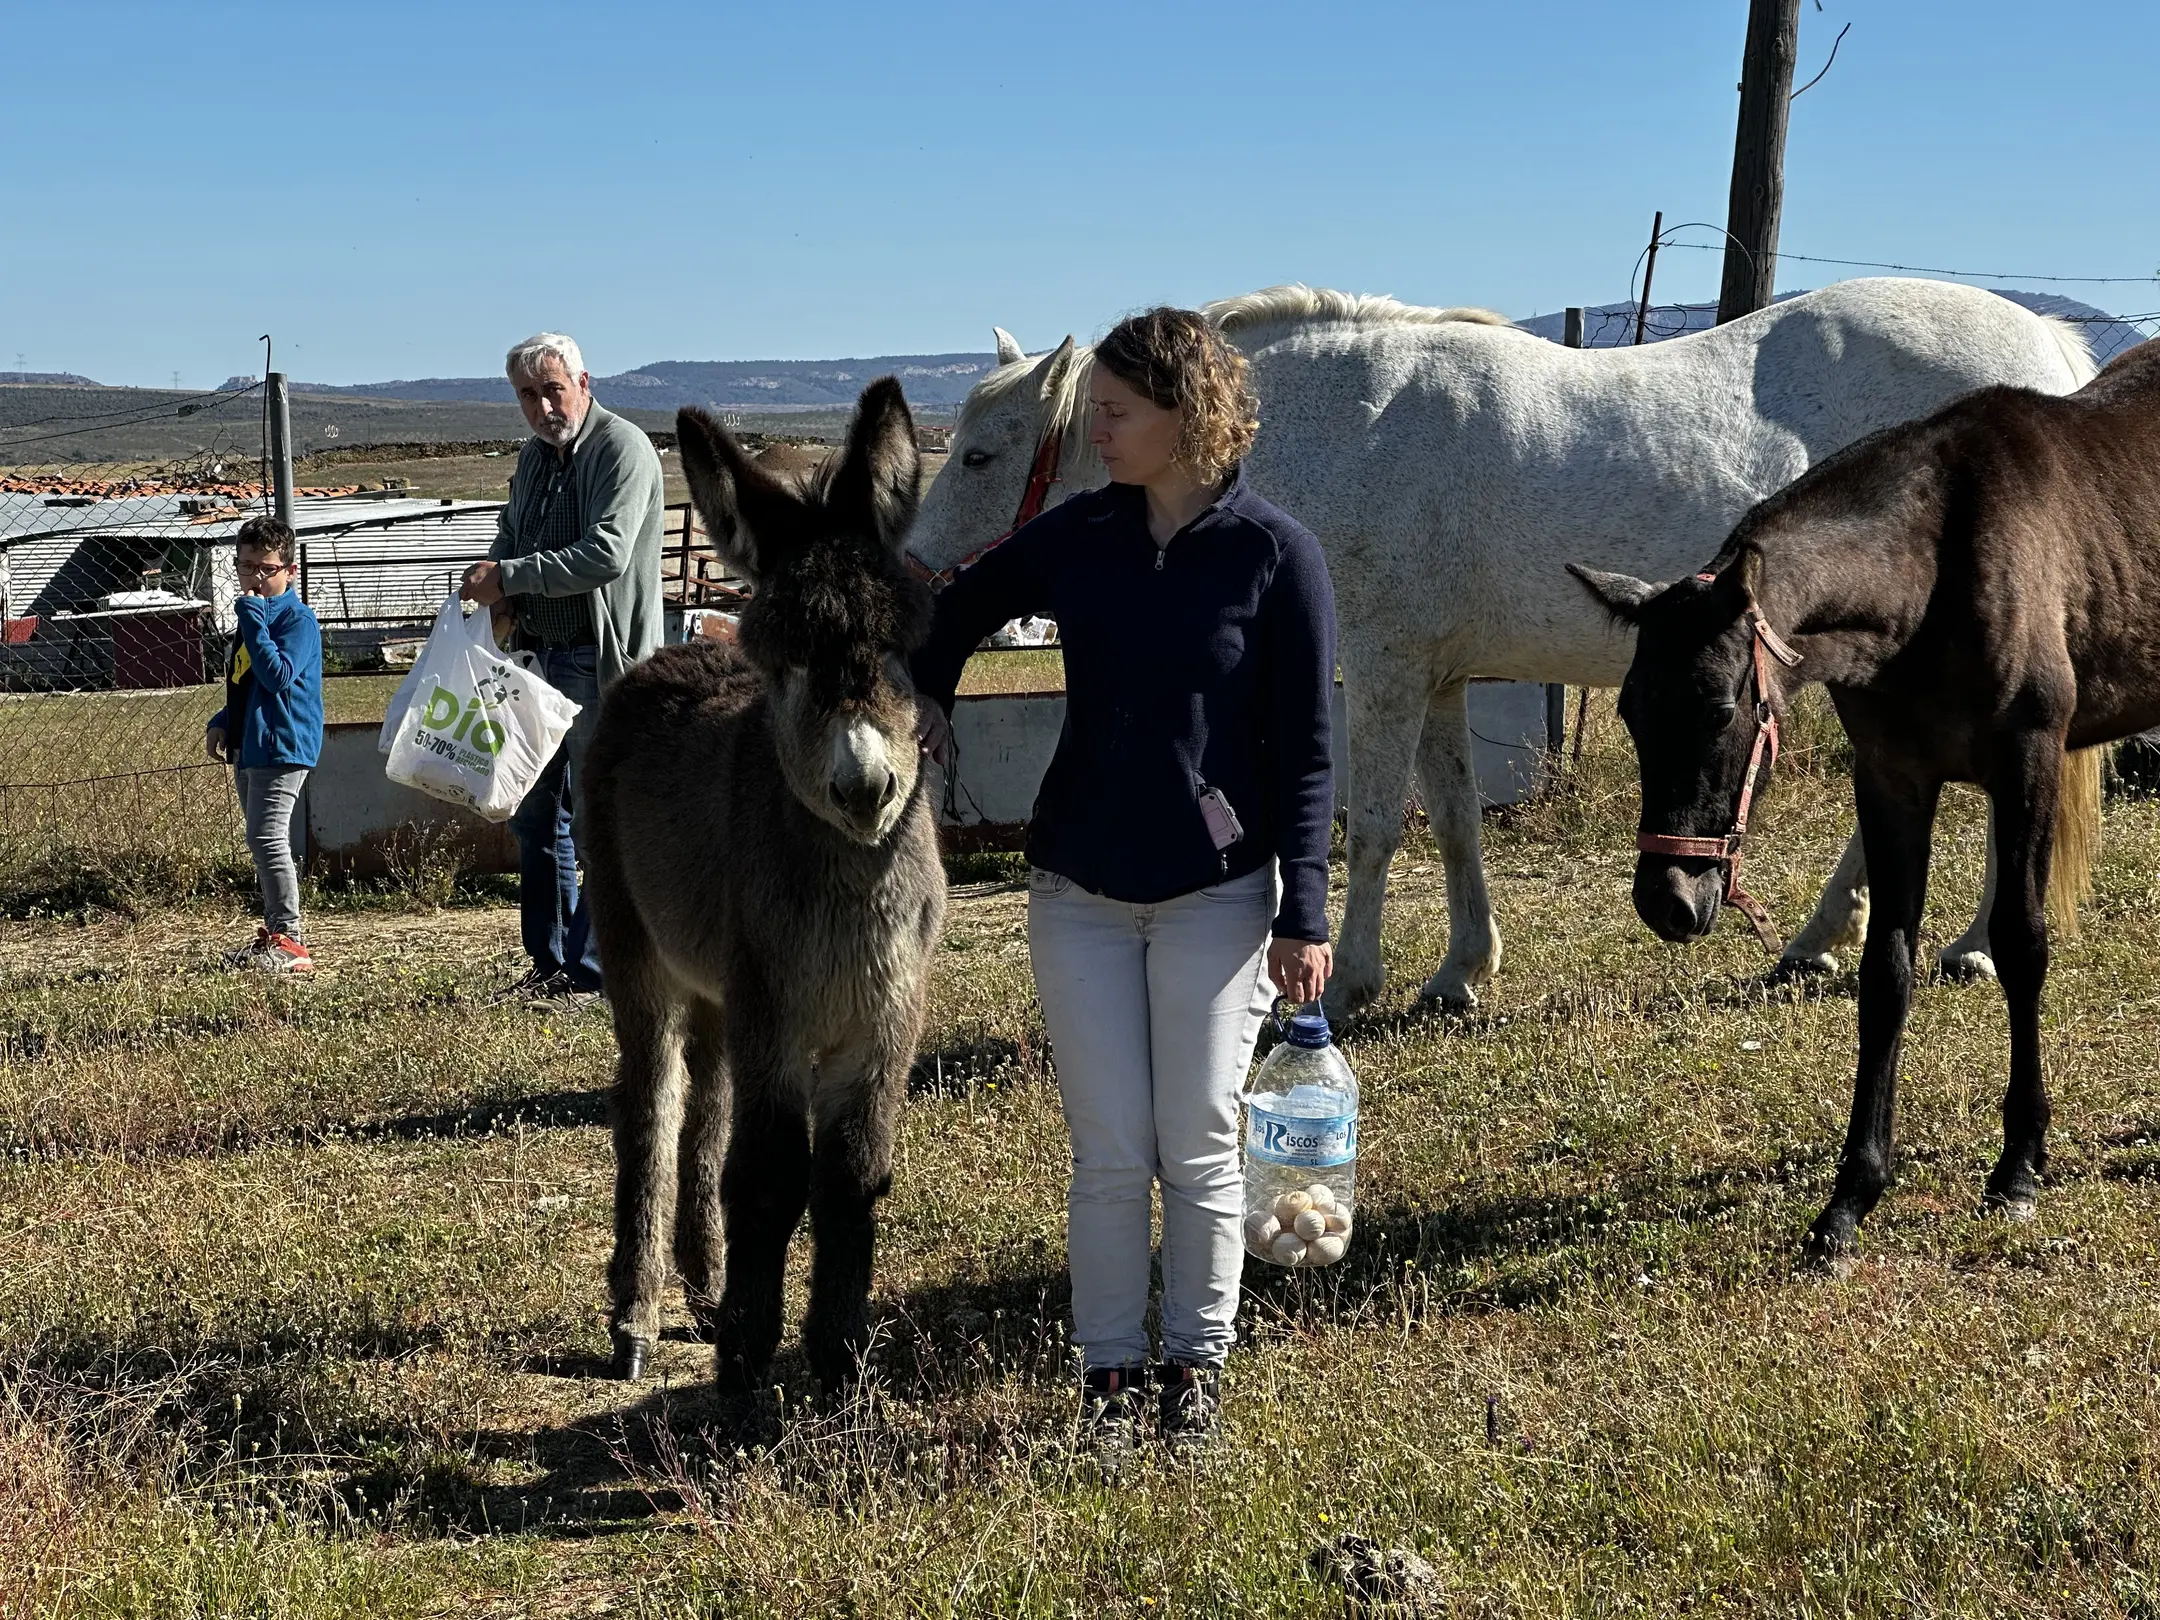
[{"x": 2077, "y": 838}]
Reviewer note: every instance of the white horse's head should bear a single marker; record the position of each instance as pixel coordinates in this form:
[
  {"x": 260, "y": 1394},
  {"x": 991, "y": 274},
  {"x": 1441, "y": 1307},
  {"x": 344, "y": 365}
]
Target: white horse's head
[{"x": 1008, "y": 420}]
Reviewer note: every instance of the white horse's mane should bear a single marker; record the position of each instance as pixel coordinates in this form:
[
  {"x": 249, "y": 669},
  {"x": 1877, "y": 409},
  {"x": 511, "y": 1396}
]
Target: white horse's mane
[{"x": 1293, "y": 303}]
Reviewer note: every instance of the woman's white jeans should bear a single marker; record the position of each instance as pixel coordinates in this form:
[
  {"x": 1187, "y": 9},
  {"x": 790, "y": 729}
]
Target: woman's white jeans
[{"x": 1152, "y": 1013}]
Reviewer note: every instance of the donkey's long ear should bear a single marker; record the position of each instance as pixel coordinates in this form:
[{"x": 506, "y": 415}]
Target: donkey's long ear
[
  {"x": 1053, "y": 369},
  {"x": 741, "y": 504},
  {"x": 880, "y": 473},
  {"x": 1008, "y": 347},
  {"x": 1621, "y": 595}
]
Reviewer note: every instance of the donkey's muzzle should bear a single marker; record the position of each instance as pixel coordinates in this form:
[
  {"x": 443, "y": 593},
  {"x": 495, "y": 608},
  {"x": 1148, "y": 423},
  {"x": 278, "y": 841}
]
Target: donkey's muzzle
[
  {"x": 863, "y": 798},
  {"x": 1678, "y": 897}
]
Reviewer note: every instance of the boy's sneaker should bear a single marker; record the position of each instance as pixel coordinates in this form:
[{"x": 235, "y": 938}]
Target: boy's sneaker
[
  {"x": 281, "y": 953},
  {"x": 1110, "y": 1409},
  {"x": 246, "y": 954},
  {"x": 1188, "y": 1416}
]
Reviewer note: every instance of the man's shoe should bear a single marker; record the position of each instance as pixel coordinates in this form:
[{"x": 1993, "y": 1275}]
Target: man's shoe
[
  {"x": 281, "y": 953},
  {"x": 1110, "y": 1414},
  {"x": 246, "y": 954},
  {"x": 1188, "y": 1415},
  {"x": 559, "y": 990},
  {"x": 524, "y": 990}
]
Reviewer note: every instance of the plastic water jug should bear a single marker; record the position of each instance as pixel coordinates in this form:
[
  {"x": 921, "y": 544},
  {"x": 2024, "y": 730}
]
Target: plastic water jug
[{"x": 1301, "y": 1148}]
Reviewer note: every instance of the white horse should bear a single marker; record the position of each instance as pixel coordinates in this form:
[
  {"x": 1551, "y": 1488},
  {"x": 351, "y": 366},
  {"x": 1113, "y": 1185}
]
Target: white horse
[{"x": 1451, "y": 463}]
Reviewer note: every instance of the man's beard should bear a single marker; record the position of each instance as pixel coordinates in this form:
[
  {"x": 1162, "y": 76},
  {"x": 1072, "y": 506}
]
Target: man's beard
[{"x": 556, "y": 430}]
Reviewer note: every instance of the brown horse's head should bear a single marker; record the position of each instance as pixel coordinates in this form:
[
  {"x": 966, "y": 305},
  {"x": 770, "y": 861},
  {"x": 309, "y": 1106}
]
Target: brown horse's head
[
  {"x": 1692, "y": 704},
  {"x": 834, "y": 613}
]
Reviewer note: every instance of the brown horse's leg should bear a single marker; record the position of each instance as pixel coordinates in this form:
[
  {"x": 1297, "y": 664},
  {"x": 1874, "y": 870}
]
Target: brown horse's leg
[
  {"x": 851, "y": 1169},
  {"x": 645, "y": 1113},
  {"x": 1897, "y": 820},
  {"x": 699, "y": 1224},
  {"x": 2025, "y": 794},
  {"x": 764, "y": 1186}
]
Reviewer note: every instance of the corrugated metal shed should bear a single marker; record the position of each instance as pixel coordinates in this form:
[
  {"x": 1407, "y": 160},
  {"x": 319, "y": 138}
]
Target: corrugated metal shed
[{"x": 364, "y": 560}]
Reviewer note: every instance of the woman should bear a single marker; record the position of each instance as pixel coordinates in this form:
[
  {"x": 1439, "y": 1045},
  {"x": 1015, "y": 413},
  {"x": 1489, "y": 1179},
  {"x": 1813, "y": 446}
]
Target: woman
[{"x": 1178, "y": 851}]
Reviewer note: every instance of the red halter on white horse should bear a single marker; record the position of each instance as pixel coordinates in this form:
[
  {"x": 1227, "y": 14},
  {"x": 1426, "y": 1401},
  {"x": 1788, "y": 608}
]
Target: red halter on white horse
[
  {"x": 1727, "y": 849},
  {"x": 1040, "y": 477}
]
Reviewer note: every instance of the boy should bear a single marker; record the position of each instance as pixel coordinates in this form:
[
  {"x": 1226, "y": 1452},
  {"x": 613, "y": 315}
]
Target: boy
[{"x": 271, "y": 730}]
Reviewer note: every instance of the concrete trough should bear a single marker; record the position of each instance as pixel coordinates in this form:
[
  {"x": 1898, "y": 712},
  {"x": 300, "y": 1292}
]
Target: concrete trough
[{"x": 361, "y": 823}]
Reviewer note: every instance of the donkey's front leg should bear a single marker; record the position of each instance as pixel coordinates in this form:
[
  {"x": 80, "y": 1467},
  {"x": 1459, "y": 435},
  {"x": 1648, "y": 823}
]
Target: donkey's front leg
[
  {"x": 645, "y": 1111},
  {"x": 2025, "y": 801},
  {"x": 851, "y": 1169},
  {"x": 1386, "y": 703},
  {"x": 1897, "y": 817},
  {"x": 699, "y": 1222},
  {"x": 764, "y": 1188},
  {"x": 1449, "y": 775}
]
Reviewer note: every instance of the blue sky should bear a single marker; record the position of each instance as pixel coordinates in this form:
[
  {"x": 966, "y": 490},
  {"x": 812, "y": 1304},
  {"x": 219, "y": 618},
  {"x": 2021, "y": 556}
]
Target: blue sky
[{"x": 400, "y": 190}]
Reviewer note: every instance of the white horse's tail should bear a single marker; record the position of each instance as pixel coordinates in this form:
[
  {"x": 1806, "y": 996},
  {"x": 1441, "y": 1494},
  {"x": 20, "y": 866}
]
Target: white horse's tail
[{"x": 2076, "y": 351}]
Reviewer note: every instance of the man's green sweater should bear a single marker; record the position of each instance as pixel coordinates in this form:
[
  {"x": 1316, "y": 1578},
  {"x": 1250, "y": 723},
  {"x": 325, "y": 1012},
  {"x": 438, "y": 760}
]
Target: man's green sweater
[{"x": 616, "y": 558}]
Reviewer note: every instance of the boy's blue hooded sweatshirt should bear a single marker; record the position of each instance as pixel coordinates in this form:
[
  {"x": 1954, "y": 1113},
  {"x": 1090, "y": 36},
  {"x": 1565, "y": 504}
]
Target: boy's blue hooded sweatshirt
[{"x": 273, "y": 712}]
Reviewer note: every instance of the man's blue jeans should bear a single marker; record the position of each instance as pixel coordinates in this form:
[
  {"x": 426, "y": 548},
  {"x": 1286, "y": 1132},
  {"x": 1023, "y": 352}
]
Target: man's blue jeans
[{"x": 551, "y": 902}]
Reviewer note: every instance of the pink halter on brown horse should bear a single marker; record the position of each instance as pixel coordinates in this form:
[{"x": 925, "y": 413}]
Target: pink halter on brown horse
[{"x": 1980, "y": 591}]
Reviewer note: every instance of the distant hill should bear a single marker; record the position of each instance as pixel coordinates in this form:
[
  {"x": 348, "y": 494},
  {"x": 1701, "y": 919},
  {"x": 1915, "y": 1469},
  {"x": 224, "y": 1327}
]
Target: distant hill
[
  {"x": 1612, "y": 326},
  {"x": 939, "y": 381},
  {"x": 58, "y": 379}
]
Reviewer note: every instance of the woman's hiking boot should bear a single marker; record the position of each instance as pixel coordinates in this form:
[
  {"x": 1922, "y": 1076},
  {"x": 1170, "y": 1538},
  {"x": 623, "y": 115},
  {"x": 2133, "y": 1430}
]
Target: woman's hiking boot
[
  {"x": 1188, "y": 1415},
  {"x": 1111, "y": 1403}
]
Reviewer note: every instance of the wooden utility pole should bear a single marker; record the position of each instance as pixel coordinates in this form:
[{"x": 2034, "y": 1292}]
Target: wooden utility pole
[
  {"x": 281, "y": 475},
  {"x": 1758, "y": 168}
]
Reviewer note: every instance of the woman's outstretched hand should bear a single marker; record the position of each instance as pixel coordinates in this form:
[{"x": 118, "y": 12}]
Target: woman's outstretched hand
[
  {"x": 933, "y": 732},
  {"x": 1300, "y": 967}
]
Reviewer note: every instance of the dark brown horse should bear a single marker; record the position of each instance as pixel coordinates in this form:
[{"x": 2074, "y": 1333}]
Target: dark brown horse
[{"x": 1980, "y": 590}]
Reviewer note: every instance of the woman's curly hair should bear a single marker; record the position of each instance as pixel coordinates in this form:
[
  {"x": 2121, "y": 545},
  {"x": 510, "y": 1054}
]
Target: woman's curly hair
[{"x": 1182, "y": 363}]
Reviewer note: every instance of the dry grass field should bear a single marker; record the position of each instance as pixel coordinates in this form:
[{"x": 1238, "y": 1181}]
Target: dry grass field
[{"x": 302, "y": 1310}]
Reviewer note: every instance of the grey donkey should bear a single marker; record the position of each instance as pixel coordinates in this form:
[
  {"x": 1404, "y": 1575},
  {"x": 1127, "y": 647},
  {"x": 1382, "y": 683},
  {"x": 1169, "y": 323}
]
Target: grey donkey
[{"x": 764, "y": 880}]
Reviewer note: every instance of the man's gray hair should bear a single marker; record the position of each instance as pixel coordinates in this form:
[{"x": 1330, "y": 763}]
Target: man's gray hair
[{"x": 526, "y": 359}]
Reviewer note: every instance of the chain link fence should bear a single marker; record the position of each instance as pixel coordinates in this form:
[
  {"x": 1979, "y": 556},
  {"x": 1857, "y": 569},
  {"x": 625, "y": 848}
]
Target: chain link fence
[{"x": 116, "y": 621}]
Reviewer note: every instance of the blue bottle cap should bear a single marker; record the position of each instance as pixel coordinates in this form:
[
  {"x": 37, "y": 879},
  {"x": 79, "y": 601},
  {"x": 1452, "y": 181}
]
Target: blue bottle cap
[{"x": 1308, "y": 1029}]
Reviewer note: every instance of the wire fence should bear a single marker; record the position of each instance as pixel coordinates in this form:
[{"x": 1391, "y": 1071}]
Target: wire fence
[
  {"x": 1613, "y": 326},
  {"x": 116, "y": 616}
]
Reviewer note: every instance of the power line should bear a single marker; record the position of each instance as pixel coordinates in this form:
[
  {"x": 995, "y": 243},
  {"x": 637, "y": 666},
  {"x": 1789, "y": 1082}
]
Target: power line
[{"x": 103, "y": 425}]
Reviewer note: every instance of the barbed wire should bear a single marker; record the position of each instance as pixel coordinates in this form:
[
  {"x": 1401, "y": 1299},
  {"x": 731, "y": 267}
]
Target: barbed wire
[{"x": 1919, "y": 269}]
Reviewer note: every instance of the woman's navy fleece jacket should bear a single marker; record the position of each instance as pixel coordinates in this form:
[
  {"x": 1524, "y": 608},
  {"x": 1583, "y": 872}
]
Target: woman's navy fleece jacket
[{"x": 1206, "y": 663}]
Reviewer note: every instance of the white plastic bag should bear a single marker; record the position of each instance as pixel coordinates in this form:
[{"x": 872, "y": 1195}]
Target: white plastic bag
[{"x": 469, "y": 725}]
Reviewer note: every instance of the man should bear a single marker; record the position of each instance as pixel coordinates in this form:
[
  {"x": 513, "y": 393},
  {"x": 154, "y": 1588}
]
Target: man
[{"x": 575, "y": 567}]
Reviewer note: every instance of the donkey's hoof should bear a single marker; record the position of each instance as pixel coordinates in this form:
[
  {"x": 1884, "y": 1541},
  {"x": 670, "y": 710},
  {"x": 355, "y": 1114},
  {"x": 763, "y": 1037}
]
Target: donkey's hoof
[
  {"x": 628, "y": 1363},
  {"x": 1965, "y": 967}
]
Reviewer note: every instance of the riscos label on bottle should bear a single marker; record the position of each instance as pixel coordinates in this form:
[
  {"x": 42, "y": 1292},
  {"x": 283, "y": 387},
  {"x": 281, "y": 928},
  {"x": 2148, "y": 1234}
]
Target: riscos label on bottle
[{"x": 1308, "y": 1144}]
